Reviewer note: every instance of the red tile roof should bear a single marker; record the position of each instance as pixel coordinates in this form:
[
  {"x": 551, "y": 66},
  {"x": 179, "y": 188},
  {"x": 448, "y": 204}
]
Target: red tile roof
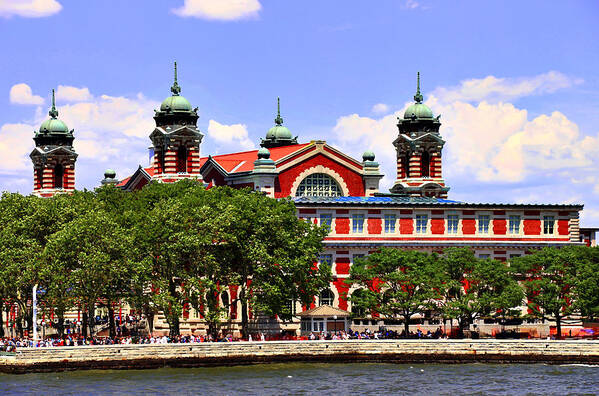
[
  {"x": 244, "y": 160},
  {"x": 149, "y": 170}
]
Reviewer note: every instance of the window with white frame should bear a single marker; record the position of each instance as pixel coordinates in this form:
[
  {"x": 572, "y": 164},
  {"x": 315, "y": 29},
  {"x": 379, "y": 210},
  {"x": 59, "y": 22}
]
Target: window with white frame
[
  {"x": 326, "y": 297},
  {"x": 318, "y": 185},
  {"x": 390, "y": 220},
  {"x": 357, "y": 223},
  {"x": 421, "y": 223},
  {"x": 548, "y": 224},
  {"x": 483, "y": 224},
  {"x": 326, "y": 219},
  {"x": 514, "y": 224},
  {"x": 452, "y": 223}
]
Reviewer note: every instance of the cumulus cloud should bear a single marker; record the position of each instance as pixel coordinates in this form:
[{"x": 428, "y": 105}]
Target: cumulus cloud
[
  {"x": 22, "y": 94},
  {"x": 224, "y": 10},
  {"x": 15, "y": 146},
  {"x": 494, "y": 150},
  {"x": 29, "y": 8},
  {"x": 380, "y": 108},
  {"x": 236, "y": 134},
  {"x": 493, "y": 89},
  {"x": 67, "y": 93},
  {"x": 411, "y": 4}
]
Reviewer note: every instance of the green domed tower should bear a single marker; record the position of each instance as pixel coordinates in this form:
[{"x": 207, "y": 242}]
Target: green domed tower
[
  {"x": 419, "y": 146},
  {"x": 53, "y": 157},
  {"x": 176, "y": 140},
  {"x": 278, "y": 135}
]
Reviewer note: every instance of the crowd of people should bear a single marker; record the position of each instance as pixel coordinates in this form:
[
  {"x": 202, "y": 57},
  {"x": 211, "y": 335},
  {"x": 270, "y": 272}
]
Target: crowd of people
[{"x": 10, "y": 344}]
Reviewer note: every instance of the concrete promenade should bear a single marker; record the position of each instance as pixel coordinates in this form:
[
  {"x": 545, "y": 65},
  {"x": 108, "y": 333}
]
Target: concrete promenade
[{"x": 235, "y": 353}]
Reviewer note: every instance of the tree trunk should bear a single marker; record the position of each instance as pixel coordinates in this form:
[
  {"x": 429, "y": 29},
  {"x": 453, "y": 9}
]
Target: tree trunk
[
  {"x": 111, "y": 323},
  {"x": 558, "y": 325},
  {"x": 2, "y": 319},
  {"x": 91, "y": 320},
  {"x": 84, "y": 324},
  {"x": 173, "y": 325},
  {"x": 244, "y": 313},
  {"x": 60, "y": 324},
  {"x": 406, "y": 324}
]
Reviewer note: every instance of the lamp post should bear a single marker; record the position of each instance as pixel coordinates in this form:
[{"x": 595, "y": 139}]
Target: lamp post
[{"x": 34, "y": 302}]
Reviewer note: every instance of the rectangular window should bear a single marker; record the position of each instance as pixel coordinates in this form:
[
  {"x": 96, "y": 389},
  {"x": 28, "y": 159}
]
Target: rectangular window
[
  {"x": 483, "y": 224},
  {"x": 484, "y": 256},
  {"x": 326, "y": 258},
  {"x": 326, "y": 219},
  {"x": 548, "y": 223},
  {"x": 514, "y": 224},
  {"x": 452, "y": 224},
  {"x": 357, "y": 223},
  {"x": 421, "y": 224},
  {"x": 390, "y": 221}
]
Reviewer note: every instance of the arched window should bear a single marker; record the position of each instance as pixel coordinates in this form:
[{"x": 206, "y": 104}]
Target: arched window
[
  {"x": 425, "y": 164},
  {"x": 326, "y": 297},
  {"x": 58, "y": 176},
  {"x": 318, "y": 185},
  {"x": 182, "y": 159}
]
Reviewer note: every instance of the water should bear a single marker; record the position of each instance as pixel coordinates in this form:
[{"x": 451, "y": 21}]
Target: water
[{"x": 322, "y": 379}]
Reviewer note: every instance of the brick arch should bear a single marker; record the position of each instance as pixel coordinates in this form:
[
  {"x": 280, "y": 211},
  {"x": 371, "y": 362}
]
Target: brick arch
[{"x": 319, "y": 169}]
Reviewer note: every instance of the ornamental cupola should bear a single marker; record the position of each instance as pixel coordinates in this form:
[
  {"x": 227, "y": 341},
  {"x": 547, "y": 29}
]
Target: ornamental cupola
[
  {"x": 419, "y": 147},
  {"x": 176, "y": 139},
  {"x": 53, "y": 157},
  {"x": 109, "y": 177},
  {"x": 278, "y": 135}
]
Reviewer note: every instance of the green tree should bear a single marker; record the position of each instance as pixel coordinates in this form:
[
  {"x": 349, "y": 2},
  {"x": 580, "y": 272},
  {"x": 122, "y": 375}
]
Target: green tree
[
  {"x": 397, "y": 283},
  {"x": 586, "y": 284},
  {"x": 477, "y": 287}
]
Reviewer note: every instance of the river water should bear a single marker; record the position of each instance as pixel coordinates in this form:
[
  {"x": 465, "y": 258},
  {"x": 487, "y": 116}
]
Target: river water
[{"x": 317, "y": 379}]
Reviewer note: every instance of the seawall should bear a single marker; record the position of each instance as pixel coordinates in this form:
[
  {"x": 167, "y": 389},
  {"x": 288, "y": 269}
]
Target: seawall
[{"x": 235, "y": 353}]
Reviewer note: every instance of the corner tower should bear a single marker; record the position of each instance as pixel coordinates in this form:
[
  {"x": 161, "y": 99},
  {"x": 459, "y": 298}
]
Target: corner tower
[
  {"x": 419, "y": 146},
  {"x": 53, "y": 157},
  {"x": 176, "y": 139}
]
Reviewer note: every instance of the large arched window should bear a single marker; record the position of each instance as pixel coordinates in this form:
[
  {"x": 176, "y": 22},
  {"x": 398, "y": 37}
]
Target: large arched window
[
  {"x": 318, "y": 185},
  {"x": 58, "y": 176},
  {"x": 326, "y": 297}
]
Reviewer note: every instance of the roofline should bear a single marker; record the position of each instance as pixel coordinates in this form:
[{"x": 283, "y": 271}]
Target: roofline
[{"x": 495, "y": 206}]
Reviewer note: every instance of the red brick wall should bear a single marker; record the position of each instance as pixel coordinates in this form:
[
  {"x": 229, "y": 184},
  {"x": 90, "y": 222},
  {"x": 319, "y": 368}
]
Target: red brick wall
[
  {"x": 500, "y": 226},
  {"x": 342, "y": 289},
  {"x": 342, "y": 265},
  {"x": 406, "y": 226},
  {"x": 468, "y": 226},
  {"x": 342, "y": 225},
  {"x": 562, "y": 227},
  {"x": 375, "y": 225},
  {"x": 437, "y": 226},
  {"x": 532, "y": 227}
]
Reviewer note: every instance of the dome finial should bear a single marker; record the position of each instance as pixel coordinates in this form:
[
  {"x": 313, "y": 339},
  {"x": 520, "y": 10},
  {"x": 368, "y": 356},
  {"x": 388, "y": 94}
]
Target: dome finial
[
  {"x": 53, "y": 113},
  {"x": 279, "y": 119},
  {"x": 418, "y": 97},
  {"x": 175, "y": 89}
]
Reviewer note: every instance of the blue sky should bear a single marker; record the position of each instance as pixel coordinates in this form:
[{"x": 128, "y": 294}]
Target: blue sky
[{"x": 517, "y": 83}]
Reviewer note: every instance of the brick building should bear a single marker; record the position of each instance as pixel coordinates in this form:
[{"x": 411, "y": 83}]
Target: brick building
[{"x": 330, "y": 187}]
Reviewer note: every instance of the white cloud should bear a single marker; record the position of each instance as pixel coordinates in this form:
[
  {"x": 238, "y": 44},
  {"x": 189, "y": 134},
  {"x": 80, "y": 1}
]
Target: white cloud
[
  {"x": 22, "y": 94},
  {"x": 411, "y": 4},
  {"x": 494, "y": 151},
  {"x": 15, "y": 145},
  {"x": 67, "y": 93},
  {"x": 236, "y": 134},
  {"x": 493, "y": 89},
  {"x": 224, "y": 10},
  {"x": 380, "y": 108},
  {"x": 29, "y": 8}
]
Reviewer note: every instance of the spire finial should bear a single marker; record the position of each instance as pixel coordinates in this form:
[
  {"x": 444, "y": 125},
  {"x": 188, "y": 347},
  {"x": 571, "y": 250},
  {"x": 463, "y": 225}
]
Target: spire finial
[
  {"x": 53, "y": 113},
  {"x": 279, "y": 119},
  {"x": 175, "y": 89},
  {"x": 418, "y": 97}
]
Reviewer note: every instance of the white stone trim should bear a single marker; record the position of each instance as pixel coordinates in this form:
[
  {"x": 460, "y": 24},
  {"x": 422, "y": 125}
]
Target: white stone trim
[{"x": 319, "y": 169}]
